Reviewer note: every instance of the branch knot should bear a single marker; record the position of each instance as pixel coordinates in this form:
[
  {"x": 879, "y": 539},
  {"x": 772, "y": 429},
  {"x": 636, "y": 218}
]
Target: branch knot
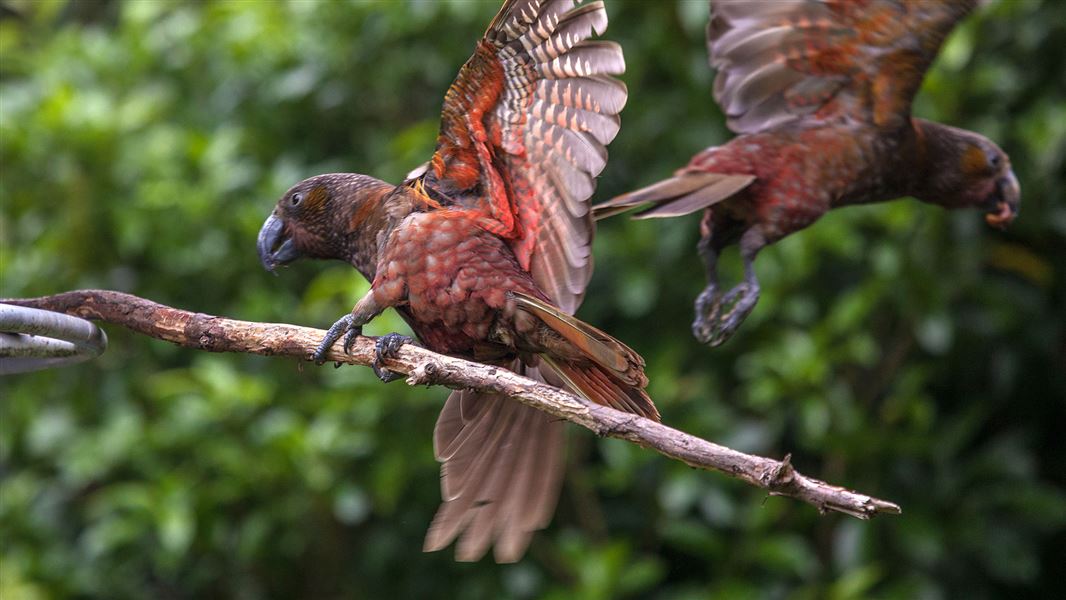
[{"x": 425, "y": 373}]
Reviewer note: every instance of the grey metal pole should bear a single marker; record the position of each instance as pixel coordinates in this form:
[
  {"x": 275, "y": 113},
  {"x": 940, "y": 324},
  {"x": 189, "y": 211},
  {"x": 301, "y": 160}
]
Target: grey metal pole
[{"x": 32, "y": 339}]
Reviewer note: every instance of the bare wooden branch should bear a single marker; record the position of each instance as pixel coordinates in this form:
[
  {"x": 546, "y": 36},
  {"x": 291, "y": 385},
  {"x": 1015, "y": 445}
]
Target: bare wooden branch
[{"x": 423, "y": 367}]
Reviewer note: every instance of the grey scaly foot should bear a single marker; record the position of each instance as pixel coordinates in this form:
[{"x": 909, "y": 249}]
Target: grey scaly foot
[
  {"x": 706, "y": 304},
  {"x": 727, "y": 314},
  {"x": 387, "y": 346},
  {"x": 344, "y": 327}
]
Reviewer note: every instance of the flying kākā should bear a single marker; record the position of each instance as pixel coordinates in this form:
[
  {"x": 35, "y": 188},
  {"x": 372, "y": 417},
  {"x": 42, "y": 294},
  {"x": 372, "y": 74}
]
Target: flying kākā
[
  {"x": 486, "y": 254},
  {"x": 820, "y": 94}
]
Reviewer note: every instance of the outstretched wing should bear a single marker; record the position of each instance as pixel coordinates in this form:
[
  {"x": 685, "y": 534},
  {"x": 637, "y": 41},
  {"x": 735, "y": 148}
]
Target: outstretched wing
[
  {"x": 783, "y": 60},
  {"x": 524, "y": 132}
]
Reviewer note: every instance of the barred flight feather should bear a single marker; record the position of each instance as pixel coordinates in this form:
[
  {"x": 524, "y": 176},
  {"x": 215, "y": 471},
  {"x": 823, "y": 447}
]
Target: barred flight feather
[
  {"x": 820, "y": 59},
  {"x": 533, "y": 109}
]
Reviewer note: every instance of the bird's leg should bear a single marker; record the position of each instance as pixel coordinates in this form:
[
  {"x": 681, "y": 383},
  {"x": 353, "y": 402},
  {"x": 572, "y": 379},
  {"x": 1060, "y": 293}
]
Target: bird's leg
[
  {"x": 709, "y": 297},
  {"x": 350, "y": 326},
  {"x": 387, "y": 347},
  {"x": 727, "y": 314}
]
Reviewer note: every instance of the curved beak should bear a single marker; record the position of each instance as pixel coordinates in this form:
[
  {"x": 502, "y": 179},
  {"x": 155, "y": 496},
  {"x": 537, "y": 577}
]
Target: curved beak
[
  {"x": 1008, "y": 202},
  {"x": 274, "y": 248}
]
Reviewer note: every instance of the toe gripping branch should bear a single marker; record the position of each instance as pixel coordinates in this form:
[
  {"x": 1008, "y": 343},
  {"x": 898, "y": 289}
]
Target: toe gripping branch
[
  {"x": 387, "y": 346},
  {"x": 344, "y": 326}
]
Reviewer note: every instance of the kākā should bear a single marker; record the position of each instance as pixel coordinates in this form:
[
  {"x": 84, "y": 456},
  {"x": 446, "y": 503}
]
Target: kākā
[
  {"x": 485, "y": 252},
  {"x": 820, "y": 93}
]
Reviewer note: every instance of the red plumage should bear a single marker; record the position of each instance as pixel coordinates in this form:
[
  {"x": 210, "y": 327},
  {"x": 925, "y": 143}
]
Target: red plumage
[
  {"x": 485, "y": 252},
  {"x": 820, "y": 93}
]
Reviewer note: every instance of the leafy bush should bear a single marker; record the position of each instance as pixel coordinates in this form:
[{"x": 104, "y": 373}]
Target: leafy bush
[{"x": 904, "y": 351}]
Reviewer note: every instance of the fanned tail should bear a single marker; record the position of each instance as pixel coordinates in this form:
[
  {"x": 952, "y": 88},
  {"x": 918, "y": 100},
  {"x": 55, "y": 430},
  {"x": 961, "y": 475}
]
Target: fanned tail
[
  {"x": 682, "y": 194},
  {"x": 501, "y": 468}
]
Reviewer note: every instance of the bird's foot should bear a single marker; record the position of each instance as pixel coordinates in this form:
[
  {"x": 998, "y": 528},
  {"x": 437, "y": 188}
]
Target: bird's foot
[
  {"x": 344, "y": 326},
  {"x": 706, "y": 304},
  {"x": 387, "y": 346},
  {"x": 718, "y": 316}
]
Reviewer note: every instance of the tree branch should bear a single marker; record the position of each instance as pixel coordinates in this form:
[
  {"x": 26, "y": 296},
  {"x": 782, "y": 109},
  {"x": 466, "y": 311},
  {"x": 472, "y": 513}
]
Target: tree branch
[{"x": 423, "y": 367}]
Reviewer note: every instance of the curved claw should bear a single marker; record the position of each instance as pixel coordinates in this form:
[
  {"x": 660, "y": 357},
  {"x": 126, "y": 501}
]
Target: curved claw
[
  {"x": 343, "y": 326},
  {"x": 349, "y": 338},
  {"x": 385, "y": 375},
  {"x": 387, "y": 346}
]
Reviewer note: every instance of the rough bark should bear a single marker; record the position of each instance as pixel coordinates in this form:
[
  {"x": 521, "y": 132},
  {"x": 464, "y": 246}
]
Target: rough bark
[{"x": 423, "y": 367}]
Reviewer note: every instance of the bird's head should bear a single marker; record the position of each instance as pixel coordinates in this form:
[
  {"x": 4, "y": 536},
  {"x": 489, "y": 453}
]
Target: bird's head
[
  {"x": 326, "y": 216},
  {"x": 969, "y": 170}
]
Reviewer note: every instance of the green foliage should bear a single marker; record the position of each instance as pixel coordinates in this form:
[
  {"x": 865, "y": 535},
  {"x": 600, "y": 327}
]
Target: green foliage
[{"x": 898, "y": 349}]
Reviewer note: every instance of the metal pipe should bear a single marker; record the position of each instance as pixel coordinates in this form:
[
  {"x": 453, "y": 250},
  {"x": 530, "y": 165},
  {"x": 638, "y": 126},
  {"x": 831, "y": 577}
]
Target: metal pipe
[{"x": 32, "y": 339}]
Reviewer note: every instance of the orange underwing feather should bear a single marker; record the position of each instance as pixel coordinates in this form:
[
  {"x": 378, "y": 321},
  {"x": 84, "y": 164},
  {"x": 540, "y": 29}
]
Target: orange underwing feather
[
  {"x": 524, "y": 131},
  {"x": 523, "y": 134}
]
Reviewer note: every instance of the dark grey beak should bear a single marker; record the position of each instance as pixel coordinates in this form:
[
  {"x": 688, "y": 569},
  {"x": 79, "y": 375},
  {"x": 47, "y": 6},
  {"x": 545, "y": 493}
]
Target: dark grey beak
[{"x": 274, "y": 248}]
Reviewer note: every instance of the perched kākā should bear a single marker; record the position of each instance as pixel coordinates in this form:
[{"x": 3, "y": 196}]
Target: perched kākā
[
  {"x": 820, "y": 94},
  {"x": 485, "y": 252}
]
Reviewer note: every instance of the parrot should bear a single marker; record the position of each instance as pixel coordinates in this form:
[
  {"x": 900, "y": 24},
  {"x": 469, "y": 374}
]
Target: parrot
[
  {"x": 485, "y": 252},
  {"x": 819, "y": 93}
]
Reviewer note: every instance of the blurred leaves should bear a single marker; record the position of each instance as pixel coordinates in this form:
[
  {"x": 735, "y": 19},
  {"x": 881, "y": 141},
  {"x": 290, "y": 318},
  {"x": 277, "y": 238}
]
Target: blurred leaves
[{"x": 897, "y": 349}]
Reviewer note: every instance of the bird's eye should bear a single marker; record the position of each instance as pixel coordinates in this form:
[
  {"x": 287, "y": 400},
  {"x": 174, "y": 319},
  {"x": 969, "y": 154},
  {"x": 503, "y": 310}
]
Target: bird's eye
[
  {"x": 995, "y": 160},
  {"x": 296, "y": 199}
]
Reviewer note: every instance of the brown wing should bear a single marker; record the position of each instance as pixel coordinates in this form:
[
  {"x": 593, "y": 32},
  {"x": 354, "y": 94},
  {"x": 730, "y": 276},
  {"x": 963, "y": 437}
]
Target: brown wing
[
  {"x": 524, "y": 132},
  {"x": 502, "y": 467},
  {"x": 783, "y": 60}
]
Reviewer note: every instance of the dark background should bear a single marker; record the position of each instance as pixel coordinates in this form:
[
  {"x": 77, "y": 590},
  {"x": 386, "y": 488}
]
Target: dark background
[{"x": 898, "y": 349}]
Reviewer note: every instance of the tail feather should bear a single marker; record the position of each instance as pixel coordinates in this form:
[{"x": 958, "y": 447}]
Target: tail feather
[
  {"x": 597, "y": 345},
  {"x": 502, "y": 465},
  {"x": 593, "y": 363},
  {"x": 602, "y": 387},
  {"x": 682, "y": 194}
]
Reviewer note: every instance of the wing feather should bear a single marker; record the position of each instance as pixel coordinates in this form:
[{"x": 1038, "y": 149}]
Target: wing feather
[
  {"x": 523, "y": 135},
  {"x": 534, "y": 108},
  {"x": 862, "y": 60}
]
